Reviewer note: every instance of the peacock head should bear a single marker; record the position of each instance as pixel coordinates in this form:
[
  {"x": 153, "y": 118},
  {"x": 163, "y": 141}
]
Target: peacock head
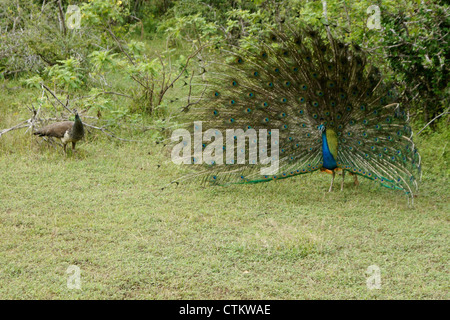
[{"x": 321, "y": 128}]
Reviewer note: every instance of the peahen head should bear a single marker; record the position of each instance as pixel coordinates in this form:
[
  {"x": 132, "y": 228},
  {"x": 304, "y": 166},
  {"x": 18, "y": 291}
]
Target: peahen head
[{"x": 75, "y": 112}]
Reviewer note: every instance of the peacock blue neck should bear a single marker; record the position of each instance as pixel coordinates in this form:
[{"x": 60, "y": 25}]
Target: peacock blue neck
[{"x": 328, "y": 160}]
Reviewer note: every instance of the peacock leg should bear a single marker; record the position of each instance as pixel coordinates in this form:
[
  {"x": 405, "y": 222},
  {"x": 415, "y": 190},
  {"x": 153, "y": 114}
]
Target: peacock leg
[
  {"x": 332, "y": 180},
  {"x": 73, "y": 147},
  {"x": 355, "y": 177},
  {"x": 343, "y": 177}
]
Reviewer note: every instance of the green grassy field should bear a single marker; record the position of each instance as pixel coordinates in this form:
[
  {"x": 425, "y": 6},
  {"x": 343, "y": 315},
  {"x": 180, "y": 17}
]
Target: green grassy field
[{"x": 102, "y": 210}]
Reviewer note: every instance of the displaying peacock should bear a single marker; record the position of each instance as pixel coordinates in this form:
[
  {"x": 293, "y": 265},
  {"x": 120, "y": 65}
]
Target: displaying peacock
[
  {"x": 330, "y": 107},
  {"x": 67, "y": 131}
]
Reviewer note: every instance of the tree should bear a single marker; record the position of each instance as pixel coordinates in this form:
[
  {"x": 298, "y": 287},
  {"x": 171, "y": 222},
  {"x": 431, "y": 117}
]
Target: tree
[{"x": 417, "y": 48}]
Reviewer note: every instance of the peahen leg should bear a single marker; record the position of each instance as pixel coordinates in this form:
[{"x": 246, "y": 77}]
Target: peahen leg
[
  {"x": 343, "y": 177},
  {"x": 332, "y": 180},
  {"x": 73, "y": 147},
  {"x": 65, "y": 152}
]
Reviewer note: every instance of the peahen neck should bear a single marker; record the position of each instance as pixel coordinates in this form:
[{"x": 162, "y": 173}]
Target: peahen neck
[
  {"x": 77, "y": 129},
  {"x": 329, "y": 149}
]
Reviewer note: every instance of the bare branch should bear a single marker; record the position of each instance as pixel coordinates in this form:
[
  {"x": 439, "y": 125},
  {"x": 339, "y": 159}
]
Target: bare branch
[
  {"x": 23, "y": 124},
  {"x": 61, "y": 18},
  {"x": 180, "y": 73},
  {"x": 443, "y": 113},
  {"x": 110, "y": 134},
  {"x": 51, "y": 92},
  {"x": 120, "y": 46}
]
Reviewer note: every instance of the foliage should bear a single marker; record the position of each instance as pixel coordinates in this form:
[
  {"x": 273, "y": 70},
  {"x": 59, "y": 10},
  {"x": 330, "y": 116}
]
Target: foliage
[
  {"x": 417, "y": 44},
  {"x": 153, "y": 75},
  {"x": 201, "y": 21},
  {"x": 67, "y": 74},
  {"x": 106, "y": 14},
  {"x": 15, "y": 55},
  {"x": 411, "y": 48},
  {"x": 35, "y": 38}
]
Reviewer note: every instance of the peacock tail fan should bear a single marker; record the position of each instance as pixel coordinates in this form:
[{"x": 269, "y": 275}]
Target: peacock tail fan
[{"x": 262, "y": 108}]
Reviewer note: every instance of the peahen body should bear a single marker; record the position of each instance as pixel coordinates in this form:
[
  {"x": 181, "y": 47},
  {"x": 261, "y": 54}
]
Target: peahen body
[
  {"x": 331, "y": 107},
  {"x": 67, "y": 131}
]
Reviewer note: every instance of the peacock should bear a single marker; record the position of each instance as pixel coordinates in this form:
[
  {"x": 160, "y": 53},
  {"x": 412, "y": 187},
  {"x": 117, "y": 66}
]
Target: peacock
[
  {"x": 67, "y": 131},
  {"x": 331, "y": 108}
]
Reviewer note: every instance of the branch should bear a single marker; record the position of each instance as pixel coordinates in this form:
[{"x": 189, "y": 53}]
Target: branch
[
  {"x": 163, "y": 92},
  {"x": 23, "y": 124},
  {"x": 61, "y": 17},
  {"x": 112, "y": 135},
  {"x": 105, "y": 92},
  {"x": 445, "y": 112},
  {"x": 118, "y": 43},
  {"x": 51, "y": 92},
  {"x": 189, "y": 103}
]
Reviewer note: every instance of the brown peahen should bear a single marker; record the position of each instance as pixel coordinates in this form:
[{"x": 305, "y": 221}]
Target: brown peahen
[
  {"x": 331, "y": 108},
  {"x": 67, "y": 131}
]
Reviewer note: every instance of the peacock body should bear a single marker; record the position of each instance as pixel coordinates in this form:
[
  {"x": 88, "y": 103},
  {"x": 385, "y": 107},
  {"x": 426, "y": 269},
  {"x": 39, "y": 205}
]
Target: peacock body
[{"x": 330, "y": 106}]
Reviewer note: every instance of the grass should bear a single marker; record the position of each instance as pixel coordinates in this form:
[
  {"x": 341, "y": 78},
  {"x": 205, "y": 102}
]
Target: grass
[{"x": 102, "y": 209}]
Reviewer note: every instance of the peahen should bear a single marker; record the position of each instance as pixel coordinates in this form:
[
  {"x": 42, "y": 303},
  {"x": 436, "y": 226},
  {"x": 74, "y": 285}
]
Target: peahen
[
  {"x": 67, "y": 131},
  {"x": 332, "y": 109}
]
